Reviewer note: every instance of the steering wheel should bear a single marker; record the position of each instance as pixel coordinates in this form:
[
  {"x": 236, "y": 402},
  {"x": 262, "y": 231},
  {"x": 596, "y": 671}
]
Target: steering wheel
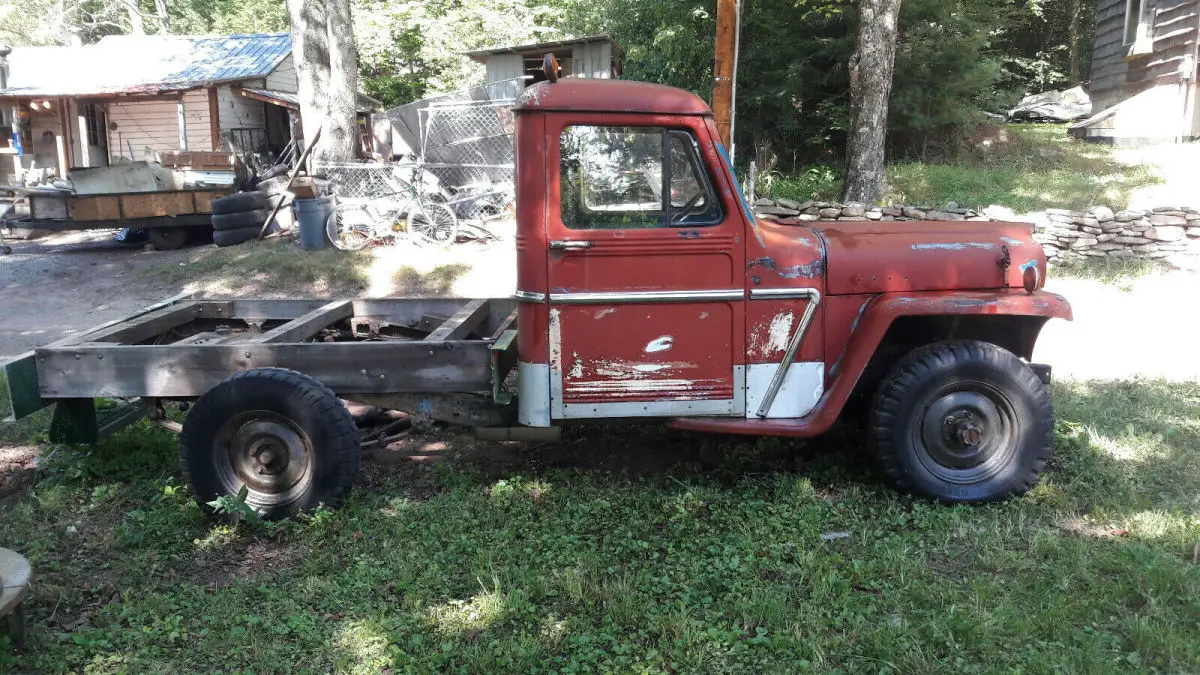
[{"x": 686, "y": 209}]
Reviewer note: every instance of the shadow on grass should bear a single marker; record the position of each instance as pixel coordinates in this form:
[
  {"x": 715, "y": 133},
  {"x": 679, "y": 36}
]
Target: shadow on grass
[{"x": 640, "y": 548}]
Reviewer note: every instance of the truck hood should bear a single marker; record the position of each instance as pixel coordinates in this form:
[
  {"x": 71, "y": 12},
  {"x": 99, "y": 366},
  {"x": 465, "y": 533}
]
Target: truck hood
[{"x": 906, "y": 256}]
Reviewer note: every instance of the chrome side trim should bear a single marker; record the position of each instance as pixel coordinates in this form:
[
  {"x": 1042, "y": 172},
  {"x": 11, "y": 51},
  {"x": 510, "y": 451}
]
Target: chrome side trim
[
  {"x": 533, "y": 394},
  {"x": 526, "y": 296},
  {"x": 645, "y": 296},
  {"x": 782, "y": 293},
  {"x": 814, "y": 299}
]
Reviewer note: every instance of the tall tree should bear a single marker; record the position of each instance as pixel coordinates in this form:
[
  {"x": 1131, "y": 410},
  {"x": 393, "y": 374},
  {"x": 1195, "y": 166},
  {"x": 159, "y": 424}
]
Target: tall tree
[
  {"x": 870, "y": 86},
  {"x": 327, "y": 69}
]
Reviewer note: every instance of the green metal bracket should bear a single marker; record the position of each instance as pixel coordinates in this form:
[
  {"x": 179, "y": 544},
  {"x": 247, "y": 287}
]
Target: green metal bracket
[
  {"x": 79, "y": 421},
  {"x": 21, "y": 381},
  {"x": 503, "y": 352}
]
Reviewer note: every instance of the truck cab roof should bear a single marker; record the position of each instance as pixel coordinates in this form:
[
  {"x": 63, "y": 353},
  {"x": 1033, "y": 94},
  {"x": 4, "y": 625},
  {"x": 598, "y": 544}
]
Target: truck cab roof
[{"x": 624, "y": 96}]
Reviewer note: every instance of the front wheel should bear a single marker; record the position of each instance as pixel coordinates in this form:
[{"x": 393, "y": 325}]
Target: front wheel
[
  {"x": 963, "y": 421},
  {"x": 280, "y": 435},
  {"x": 432, "y": 223}
]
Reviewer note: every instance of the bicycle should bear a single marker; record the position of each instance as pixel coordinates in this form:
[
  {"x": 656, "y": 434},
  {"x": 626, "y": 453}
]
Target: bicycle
[{"x": 355, "y": 223}]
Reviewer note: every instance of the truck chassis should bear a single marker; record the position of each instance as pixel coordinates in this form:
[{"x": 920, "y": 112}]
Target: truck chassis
[{"x": 375, "y": 351}]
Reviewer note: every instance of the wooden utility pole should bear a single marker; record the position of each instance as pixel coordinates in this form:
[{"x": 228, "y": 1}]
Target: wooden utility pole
[{"x": 723, "y": 67}]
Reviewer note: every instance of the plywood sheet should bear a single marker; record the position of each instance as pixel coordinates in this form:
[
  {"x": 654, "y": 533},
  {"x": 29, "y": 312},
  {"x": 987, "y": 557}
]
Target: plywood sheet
[
  {"x": 100, "y": 207},
  {"x": 153, "y": 204}
]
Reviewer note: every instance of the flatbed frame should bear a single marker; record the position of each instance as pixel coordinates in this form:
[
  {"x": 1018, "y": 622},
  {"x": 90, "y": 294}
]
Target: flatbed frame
[{"x": 181, "y": 348}]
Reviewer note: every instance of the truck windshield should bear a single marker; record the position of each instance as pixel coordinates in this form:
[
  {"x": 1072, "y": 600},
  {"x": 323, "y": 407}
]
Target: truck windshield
[{"x": 633, "y": 177}]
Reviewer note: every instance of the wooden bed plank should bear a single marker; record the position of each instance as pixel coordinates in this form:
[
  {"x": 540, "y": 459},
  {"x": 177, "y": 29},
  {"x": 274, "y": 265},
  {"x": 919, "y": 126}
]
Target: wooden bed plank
[
  {"x": 304, "y": 327},
  {"x": 143, "y": 327},
  {"x": 188, "y": 371},
  {"x": 462, "y": 323}
]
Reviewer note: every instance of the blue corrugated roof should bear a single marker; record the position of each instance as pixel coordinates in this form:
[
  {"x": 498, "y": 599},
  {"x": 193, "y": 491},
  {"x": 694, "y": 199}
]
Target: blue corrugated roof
[{"x": 137, "y": 63}]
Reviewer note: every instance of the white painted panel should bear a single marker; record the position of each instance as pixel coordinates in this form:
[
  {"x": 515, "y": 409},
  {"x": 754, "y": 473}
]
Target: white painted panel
[
  {"x": 283, "y": 78},
  {"x": 533, "y": 401},
  {"x": 239, "y": 112},
  {"x": 198, "y": 118},
  {"x": 802, "y": 388}
]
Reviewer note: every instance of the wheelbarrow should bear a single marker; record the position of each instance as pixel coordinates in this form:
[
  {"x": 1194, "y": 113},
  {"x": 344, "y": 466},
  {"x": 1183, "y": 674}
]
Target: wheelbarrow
[{"x": 14, "y": 584}]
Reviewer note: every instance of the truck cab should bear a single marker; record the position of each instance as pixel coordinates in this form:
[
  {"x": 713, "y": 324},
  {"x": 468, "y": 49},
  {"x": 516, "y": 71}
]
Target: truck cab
[{"x": 648, "y": 288}]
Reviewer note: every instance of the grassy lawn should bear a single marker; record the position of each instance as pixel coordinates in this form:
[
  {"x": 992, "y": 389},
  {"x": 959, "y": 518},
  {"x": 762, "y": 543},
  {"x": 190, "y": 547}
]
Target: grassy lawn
[
  {"x": 1027, "y": 167},
  {"x": 632, "y": 550}
]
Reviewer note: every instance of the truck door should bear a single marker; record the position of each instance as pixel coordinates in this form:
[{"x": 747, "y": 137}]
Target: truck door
[{"x": 644, "y": 266}]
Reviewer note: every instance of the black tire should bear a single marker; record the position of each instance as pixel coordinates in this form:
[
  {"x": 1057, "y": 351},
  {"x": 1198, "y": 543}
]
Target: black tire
[
  {"x": 234, "y": 434},
  {"x": 168, "y": 238},
  {"x": 963, "y": 421},
  {"x": 236, "y": 221},
  {"x": 235, "y": 237},
  {"x": 236, "y": 203}
]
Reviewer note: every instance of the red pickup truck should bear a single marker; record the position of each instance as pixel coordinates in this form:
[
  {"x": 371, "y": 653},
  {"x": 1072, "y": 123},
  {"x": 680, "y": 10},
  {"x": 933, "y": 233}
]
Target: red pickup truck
[{"x": 647, "y": 289}]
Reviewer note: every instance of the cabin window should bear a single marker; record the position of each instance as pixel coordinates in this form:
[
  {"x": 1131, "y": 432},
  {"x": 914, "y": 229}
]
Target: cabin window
[
  {"x": 1138, "y": 27},
  {"x": 633, "y": 178}
]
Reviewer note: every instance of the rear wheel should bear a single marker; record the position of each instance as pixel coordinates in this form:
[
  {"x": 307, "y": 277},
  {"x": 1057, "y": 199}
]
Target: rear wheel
[
  {"x": 168, "y": 238},
  {"x": 963, "y": 421},
  {"x": 431, "y": 223},
  {"x": 350, "y": 227},
  {"x": 281, "y": 435}
]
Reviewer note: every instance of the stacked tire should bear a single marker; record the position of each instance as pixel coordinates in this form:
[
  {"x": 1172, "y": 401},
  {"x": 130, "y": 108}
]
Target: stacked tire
[{"x": 238, "y": 218}]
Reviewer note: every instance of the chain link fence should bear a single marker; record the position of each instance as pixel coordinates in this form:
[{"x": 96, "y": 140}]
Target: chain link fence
[{"x": 462, "y": 154}]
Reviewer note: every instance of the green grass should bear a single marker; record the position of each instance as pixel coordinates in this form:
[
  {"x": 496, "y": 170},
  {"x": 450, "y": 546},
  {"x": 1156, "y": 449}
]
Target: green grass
[
  {"x": 1110, "y": 271},
  {"x": 273, "y": 264},
  {"x": 541, "y": 561},
  {"x": 1028, "y": 167}
]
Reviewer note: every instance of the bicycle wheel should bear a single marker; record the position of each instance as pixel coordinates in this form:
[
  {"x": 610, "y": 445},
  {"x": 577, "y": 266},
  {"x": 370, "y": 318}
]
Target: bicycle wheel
[
  {"x": 430, "y": 223},
  {"x": 349, "y": 227}
]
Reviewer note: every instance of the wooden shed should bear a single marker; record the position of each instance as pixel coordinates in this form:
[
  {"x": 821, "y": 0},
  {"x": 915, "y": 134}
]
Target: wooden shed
[
  {"x": 1144, "y": 71},
  {"x": 132, "y": 95},
  {"x": 594, "y": 56}
]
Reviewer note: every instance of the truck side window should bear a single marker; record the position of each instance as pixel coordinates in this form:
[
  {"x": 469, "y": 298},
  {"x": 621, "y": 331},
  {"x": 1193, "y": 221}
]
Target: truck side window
[{"x": 614, "y": 178}]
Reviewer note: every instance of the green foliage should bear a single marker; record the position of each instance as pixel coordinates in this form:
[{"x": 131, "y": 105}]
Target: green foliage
[{"x": 1026, "y": 167}]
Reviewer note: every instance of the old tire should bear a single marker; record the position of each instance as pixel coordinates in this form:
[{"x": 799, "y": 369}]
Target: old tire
[
  {"x": 236, "y": 203},
  {"x": 236, "y": 221},
  {"x": 283, "y": 435},
  {"x": 235, "y": 237},
  {"x": 167, "y": 238},
  {"x": 963, "y": 421}
]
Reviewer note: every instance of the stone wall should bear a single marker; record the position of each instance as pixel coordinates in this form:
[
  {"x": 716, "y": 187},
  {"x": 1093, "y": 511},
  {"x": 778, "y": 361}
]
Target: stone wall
[
  {"x": 1101, "y": 233},
  {"x": 1064, "y": 235}
]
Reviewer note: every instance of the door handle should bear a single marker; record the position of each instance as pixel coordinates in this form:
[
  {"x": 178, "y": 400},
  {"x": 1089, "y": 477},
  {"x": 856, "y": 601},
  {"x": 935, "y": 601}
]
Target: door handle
[{"x": 570, "y": 245}]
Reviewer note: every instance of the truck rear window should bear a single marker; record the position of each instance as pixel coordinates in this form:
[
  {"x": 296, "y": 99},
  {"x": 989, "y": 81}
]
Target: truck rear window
[{"x": 633, "y": 178}]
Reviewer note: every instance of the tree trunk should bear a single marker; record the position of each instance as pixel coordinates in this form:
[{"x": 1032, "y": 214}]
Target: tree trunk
[
  {"x": 310, "y": 52},
  {"x": 340, "y": 140},
  {"x": 327, "y": 69},
  {"x": 136, "y": 25},
  {"x": 1073, "y": 43},
  {"x": 164, "y": 17},
  {"x": 870, "y": 86}
]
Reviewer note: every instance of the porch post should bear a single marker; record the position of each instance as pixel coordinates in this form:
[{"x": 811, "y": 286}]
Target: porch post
[
  {"x": 182, "y": 125},
  {"x": 63, "y": 140},
  {"x": 85, "y": 152}
]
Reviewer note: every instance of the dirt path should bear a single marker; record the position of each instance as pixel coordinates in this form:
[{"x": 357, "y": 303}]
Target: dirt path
[{"x": 64, "y": 283}]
